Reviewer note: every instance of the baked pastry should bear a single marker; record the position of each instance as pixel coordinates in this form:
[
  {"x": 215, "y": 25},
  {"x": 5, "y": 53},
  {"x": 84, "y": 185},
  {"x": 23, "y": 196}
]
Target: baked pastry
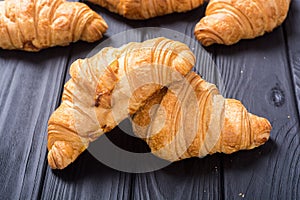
[
  {"x": 32, "y": 25},
  {"x": 106, "y": 88},
  {"x": 194, "y": 120},
  {"x": 145, "y": 9},
  {"x": 228, "y": 21}
]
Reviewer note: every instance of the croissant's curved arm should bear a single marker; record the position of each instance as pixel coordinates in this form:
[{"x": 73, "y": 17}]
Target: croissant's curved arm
[
  {"x": 32, "y": 25},
  {"x": 182, "y": 127},
  {"x": 106, "y": 88}
]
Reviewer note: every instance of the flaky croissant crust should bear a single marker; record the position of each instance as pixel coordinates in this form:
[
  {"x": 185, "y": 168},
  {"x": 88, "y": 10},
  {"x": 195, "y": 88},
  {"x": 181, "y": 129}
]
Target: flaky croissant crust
[
  {"x": 95, "y": 100},
  {"x": 145, "y": 9},
  {"x": 183, "y": 128},
  {"x": 32, "y": 25},
  {"x": 104, "y": 90},
  {"x": 228, "y": 21}
]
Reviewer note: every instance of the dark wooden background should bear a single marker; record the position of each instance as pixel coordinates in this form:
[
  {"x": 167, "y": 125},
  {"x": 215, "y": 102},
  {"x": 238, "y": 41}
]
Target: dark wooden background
[{"x": 264, "y": 73}]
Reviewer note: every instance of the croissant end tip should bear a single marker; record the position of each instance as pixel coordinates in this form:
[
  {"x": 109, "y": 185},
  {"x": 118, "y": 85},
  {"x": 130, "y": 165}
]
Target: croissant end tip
[
  {"x": 207, "y": 37},
  {"x": 94, "y": 30},
  {"x": 58, "y": 155},
  {"x": 261, "y": 128}
]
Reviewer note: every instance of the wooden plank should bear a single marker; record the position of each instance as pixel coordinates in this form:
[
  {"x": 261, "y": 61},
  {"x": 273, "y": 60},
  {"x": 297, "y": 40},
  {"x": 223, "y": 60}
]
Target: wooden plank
[
  {"x": 257, "y": 73},
  {"x": 87, "y": 178},
  {"x": 292, "y": 34},
  {"x": 191, "y": 178},
  {"x": 30, "y": 85}
]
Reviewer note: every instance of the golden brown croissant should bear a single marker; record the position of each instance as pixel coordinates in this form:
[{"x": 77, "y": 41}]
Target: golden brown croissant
[
  {"x": 144, "y": 9},
  {"x": 106, "y": 88},
  {"x": 228, "y": 21},
  {"x": 32, "y": 25},
  {"x": 194, "y": 120}
]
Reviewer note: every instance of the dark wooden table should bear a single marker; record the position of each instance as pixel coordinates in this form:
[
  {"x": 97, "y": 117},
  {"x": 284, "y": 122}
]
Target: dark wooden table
[{"x": 269, "y": 85}]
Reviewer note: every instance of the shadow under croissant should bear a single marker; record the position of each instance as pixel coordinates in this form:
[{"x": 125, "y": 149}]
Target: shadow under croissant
[
  {"x": 87, "y": 167},
  {"x": 248, "y": 160},
  {"x": 52, "y": 53}
]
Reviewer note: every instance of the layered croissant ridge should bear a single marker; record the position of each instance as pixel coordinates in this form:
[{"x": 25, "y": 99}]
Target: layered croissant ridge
[
  {"x": 228, "y": 21},
  {"x": 183, "y": 127},
  {"x": 106, "y": 88},
  {"x": 32, "y": 25},
  {"x": 145, "y": 9},
  {"x": 117, "y": 82}
]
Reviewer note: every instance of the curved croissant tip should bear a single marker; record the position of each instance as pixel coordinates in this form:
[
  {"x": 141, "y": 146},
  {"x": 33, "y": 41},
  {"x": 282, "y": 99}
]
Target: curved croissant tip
[
  {"x": 205, "y": 41},
  {"x": 51, "y": 160},
  {"x": 94, "y": 30},
  {"x": 261, "y": 128},
  {"x": 207, "y": 37},
  {"x": 56, "y": 156}
]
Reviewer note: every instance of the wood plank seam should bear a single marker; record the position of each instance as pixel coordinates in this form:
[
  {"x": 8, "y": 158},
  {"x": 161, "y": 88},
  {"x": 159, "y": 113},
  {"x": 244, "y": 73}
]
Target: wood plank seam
[
  {"x": 291, "y": 70},
  {"x": 57, "y": 103}
]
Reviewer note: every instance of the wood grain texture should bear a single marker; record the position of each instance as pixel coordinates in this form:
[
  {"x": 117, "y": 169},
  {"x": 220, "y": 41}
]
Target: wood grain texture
[
  {"x": 257, "y": 73},
  {"x": 188, "y": 179},
  {"x": 193, "y": 178},
  {"x": 30, "y": 87},
  {"x": 87, "y": 178},
  {"x": 292, "y": 33}
]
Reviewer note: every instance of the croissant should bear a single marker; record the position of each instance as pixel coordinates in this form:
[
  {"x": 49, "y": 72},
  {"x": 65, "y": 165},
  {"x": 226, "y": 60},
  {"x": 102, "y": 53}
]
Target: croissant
[
  {"x": 106, "y": 88},
  {"x": 32, "y": 25},
  {"x": 194, "y": 120},
  {"x": 228, "y": 21},
  {"x": 144, "y": 9}
]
